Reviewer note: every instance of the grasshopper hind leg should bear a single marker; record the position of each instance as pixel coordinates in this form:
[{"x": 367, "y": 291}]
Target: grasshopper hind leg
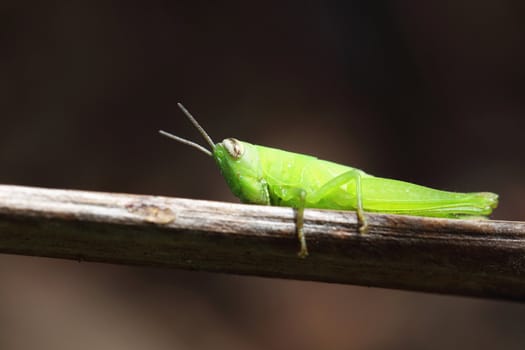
[
  {"x": 299, "y": 224},
  {"x": 363, "y": 223},
  {"x": 337, "y": 182},
  {"x": 300, "y": 195}
]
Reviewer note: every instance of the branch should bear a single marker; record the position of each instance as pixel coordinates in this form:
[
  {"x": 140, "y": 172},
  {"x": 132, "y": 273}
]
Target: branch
[{"x": 473, "y": 258}]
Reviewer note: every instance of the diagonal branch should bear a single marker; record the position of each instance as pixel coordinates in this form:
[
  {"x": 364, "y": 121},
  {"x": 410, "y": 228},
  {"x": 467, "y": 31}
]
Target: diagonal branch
[{"x": 473, "y": 258}]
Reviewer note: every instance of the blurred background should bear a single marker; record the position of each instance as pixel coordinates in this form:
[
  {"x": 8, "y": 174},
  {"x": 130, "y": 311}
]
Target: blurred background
[{"x": 427, "y": 92}]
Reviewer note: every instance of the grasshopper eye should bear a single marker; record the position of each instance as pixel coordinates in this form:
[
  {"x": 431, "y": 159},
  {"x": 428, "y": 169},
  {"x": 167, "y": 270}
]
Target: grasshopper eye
[{"x": 234, "y": 147}]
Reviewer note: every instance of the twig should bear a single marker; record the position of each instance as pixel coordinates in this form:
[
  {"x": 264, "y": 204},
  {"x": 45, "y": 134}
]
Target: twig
[{"x": 473, "y": 258}]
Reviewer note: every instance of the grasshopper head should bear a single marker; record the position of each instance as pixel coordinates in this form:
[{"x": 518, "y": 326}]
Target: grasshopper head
[
  {"x": 240, "y": 166},
  {"x": 237, "y": 160}
]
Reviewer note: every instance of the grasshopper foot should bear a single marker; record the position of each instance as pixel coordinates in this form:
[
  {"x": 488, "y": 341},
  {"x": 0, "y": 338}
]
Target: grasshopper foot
[
  {"x": 362, "y": 222},
  {"x": 303, "y": 251}
]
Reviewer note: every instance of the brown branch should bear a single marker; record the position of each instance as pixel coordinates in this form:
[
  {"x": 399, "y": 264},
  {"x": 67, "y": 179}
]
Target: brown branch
[{"x": 474, "y": 258}]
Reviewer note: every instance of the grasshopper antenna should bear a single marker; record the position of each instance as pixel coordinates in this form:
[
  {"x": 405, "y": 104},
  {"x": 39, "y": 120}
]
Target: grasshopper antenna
[
  {"x": 199, "y": 128},
  {"x": 197, "y": 125},
  {"x": 186, "y": 142}
]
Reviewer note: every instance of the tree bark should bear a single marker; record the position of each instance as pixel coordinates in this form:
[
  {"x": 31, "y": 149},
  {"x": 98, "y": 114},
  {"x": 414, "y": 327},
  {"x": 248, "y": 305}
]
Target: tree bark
[{"x": 471, "y": 258}]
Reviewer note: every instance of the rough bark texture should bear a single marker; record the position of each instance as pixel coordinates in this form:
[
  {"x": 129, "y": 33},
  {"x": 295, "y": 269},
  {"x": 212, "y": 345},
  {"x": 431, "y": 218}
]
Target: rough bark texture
[{"x": 472, "y": 258}]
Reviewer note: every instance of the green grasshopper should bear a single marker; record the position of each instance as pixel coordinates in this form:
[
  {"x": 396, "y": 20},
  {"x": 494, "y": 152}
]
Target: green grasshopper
[{"x": 269, "y": 176}]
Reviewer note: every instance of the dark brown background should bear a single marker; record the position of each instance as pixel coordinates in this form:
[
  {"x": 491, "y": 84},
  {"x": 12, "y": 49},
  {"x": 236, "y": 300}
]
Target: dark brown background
[{"x": 427, "y": 92}]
